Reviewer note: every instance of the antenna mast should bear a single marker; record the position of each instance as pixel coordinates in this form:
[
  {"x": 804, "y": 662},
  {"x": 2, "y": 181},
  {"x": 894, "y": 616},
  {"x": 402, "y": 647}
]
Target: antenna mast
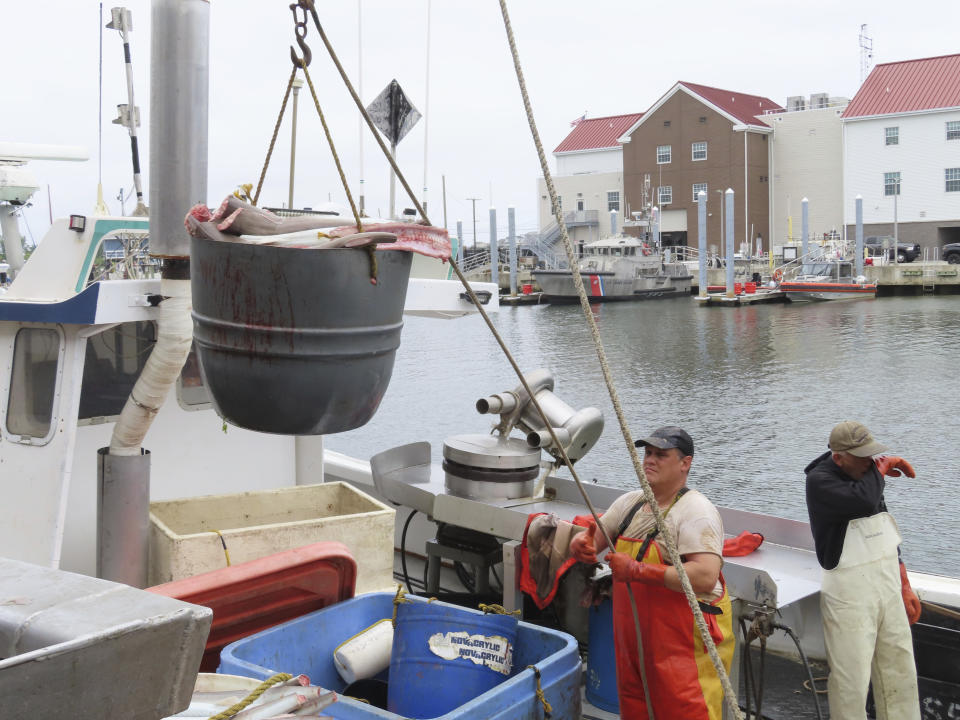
[
  {"x": 866, "y": 53},
  {"x": 129, "y": 115}
]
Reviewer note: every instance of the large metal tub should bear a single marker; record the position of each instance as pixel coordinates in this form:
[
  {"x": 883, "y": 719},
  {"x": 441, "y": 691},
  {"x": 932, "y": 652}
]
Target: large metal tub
[
  {"x": 75, "y": 646},
  {"x": 296, "y": 341}
]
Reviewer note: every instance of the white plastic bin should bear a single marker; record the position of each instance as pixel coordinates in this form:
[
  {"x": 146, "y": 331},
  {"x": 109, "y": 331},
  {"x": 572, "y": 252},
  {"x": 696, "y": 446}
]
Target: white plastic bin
[{"x": 184, "y": 539}]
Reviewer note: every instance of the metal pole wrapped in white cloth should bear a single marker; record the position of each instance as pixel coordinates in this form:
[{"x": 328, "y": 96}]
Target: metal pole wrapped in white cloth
[{"x": 174, "y": 335}]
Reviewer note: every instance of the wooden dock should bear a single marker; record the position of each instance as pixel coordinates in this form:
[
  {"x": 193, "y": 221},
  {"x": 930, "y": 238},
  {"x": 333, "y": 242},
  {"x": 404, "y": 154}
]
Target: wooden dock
[{"x": 915, "y": 278}]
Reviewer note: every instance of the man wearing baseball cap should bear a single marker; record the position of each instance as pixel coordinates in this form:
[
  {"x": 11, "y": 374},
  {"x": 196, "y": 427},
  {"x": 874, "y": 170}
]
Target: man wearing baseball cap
[
  {"x": 865, "y": 599},
  {"x": 680, "y": 676}
]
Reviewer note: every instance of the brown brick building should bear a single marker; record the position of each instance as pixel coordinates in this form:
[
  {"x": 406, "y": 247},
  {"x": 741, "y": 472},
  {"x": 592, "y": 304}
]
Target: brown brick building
[{"x": 697, "y": 137}]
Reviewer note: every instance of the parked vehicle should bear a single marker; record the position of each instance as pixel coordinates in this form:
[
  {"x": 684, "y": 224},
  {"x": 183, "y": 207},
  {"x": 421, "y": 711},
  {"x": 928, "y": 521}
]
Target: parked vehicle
[
  {"x": 883, "y": 245},
  {"x": 951, "y": 253}
]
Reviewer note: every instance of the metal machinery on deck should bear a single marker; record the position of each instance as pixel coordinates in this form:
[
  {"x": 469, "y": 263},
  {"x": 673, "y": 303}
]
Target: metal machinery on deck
[
  {"x": 483, "y": 493},
  {"x": 484, "y": 473}
]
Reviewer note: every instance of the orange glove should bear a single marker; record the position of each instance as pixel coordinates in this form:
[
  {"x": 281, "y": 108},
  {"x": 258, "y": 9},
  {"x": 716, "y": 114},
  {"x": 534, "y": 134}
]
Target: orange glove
[
  {"x": 626, "y": 569},
  {"x": 582, "y": 547},
  {"x": 891, "y": 465},
  {"x": 910, "y": 600}
]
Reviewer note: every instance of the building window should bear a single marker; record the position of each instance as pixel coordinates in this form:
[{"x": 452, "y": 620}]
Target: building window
[
  {"x": 664, "y": 153},
  {"x": 891, "y": 135},
  {"x": 697, "y": 189},
  {"x": 666, "y": 123},
  {"x": 613, "y": 200},
  {"x": 666, "y": 194},
  {"x": 953, "y": 179},
  {"x": 891, "y": 183},
  {"x": 953, "y": 130},
  {"x": 33, "y": 384},
  {"x": 699, "y": 150}
]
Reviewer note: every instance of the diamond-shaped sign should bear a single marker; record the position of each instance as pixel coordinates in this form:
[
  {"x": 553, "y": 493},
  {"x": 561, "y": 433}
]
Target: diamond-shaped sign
[{"x": 393, "y": 113}]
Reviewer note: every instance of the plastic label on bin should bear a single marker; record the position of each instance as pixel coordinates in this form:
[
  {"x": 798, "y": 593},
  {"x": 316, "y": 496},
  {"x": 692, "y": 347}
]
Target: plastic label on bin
[{"x": 494, "y": 651}]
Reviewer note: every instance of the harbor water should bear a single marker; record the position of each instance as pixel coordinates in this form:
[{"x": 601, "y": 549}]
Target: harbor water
[{"x": 757, "y": 387}]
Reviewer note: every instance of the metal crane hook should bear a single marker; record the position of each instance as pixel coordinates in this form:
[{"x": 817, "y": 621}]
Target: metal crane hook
[{"x": 301, "y": 32}]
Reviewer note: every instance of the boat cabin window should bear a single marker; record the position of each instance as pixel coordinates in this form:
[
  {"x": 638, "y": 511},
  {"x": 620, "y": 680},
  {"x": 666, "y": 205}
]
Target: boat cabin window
[
  {"x": 123, "y": 255},
  {"x": 114, "y": 361},
  {"x": 33, "y": 384}
]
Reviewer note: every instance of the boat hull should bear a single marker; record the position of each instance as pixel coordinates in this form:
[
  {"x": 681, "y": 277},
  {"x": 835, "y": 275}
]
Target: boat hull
[{"x": 558, "y": 286}]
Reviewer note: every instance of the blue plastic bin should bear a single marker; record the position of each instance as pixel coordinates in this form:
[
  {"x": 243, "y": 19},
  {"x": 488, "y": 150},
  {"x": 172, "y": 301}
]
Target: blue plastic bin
[
  {"x": 472, "y": 653},
  {"x": 601, "y": 683},
  {"x": 306, "y": 645}
]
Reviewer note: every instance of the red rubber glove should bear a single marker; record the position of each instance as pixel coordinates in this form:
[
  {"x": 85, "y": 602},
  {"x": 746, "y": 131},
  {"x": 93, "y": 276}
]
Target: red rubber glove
[
  {"x": 582, "y": 547},
  {"x": 626, "y": 569},
  {"x": 910, "y": 600},
  {"x": 891, "y": 465}
]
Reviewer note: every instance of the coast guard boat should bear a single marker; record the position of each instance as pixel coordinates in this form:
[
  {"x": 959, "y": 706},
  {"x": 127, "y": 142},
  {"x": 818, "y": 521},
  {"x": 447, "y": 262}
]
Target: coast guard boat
[{"x": 619, "y": 267}]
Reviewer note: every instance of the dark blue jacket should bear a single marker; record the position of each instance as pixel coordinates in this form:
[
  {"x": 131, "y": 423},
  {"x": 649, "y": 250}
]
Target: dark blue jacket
[{"x": 833, "y": 499}]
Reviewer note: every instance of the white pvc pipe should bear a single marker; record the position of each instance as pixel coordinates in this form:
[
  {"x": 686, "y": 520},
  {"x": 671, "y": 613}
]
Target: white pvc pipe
[{"x": 174, "y": 335}]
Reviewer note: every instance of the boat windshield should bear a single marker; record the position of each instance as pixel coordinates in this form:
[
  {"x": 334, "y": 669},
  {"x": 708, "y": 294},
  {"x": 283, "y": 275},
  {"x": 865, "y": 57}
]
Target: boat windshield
[{"x": 826, "y": 269}]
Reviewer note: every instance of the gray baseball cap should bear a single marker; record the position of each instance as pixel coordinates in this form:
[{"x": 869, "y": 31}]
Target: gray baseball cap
[
  {"x": 669, "y": 437},
  {"x": 854, "y": 438}
]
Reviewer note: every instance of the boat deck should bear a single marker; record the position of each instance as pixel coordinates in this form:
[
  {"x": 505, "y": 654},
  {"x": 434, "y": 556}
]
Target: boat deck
[{"x": 784, "y": 697}]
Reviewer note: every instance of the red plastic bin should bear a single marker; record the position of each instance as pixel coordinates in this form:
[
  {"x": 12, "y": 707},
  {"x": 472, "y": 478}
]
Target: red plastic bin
[{"x": 256, "y": 595}]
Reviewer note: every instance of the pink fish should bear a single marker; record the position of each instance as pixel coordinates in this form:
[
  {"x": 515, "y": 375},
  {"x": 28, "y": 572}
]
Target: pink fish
[{"x": 424, "y": 239}]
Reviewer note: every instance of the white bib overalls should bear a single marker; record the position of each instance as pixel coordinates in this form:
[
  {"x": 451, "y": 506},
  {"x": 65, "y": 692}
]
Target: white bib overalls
[{"x": 865, "y": 626}]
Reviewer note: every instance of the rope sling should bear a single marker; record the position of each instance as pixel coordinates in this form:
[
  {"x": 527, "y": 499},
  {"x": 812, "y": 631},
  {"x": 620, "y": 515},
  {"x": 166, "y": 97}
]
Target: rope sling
[{"x": 729, "y": 694}]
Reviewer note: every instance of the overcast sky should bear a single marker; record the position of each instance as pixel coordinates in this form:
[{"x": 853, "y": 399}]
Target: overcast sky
[{"x": 602, "y": 58}]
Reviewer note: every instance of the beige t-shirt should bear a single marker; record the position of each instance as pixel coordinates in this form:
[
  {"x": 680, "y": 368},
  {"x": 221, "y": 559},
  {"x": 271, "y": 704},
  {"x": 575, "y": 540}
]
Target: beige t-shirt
[{"x": 693, "y": 523}]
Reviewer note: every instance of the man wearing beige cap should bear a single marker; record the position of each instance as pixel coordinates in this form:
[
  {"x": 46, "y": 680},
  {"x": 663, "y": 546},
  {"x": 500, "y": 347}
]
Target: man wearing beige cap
[{"x": 865, "y": 599}]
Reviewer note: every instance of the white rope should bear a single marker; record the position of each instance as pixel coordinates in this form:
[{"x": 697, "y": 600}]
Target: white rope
[{"x": 705, "y": 636}]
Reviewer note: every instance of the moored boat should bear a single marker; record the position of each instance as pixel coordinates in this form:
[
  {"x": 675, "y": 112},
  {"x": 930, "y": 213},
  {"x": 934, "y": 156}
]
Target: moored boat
[
  {"x": 618, "y": 267},
  {"x": 827, "y": 280}
]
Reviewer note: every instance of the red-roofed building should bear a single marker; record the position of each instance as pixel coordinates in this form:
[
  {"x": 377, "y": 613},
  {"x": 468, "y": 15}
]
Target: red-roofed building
[
  {"x": 696, "y": 138},
  {"x": 902, "y": 151},
  {"x": 588, "y": 180}
]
